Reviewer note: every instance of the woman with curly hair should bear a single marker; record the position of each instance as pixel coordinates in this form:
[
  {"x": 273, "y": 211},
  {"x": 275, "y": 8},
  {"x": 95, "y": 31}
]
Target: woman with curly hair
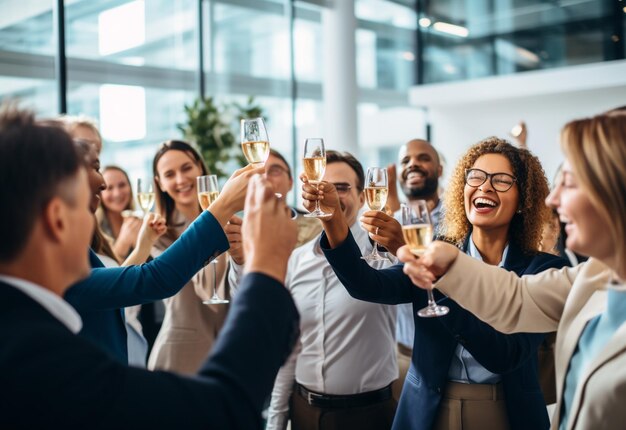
[
  {"x": 465, "y": 374},
  {"x": 586, "y": 303}
]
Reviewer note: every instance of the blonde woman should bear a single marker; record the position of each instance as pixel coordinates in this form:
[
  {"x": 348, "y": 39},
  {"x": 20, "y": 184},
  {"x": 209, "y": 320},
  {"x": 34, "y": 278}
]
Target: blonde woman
[
  {"x": 587, "y": 303},
  {"x": 117, "y": 198}
]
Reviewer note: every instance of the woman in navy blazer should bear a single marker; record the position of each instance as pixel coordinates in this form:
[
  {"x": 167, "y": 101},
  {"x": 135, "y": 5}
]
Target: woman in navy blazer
[
  {"x": 101, "y": 297},
  {"x": 500, "y": 217}
]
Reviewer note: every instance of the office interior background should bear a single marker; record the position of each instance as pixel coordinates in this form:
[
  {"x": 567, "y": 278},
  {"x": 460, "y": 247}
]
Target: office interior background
[{"x": 367, "y": 75}]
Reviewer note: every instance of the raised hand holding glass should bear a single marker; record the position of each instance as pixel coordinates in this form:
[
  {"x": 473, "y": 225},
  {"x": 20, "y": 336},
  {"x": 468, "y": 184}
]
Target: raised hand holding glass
[
  {"x": 417, "y": 230},
  {"x": 314, "y": 162},
  {"x": 376, "y": 190}
]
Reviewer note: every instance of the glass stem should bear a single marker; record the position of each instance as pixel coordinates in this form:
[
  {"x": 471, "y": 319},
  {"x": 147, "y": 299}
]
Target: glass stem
[
  {"x": 431, "y": 299},
  {"x": 374, "y": 252},
  {"x": 317, "y": 202},
  {"x": 215, "y": 296}
]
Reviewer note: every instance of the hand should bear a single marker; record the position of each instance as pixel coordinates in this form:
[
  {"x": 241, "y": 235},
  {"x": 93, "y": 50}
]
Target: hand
[
  {"x": 129, "y": 230},
  {"x": 270, "y": 232},
  {"x": 433, "y": 264},
  {"x": 323, "y": 191},
  {"x": 233, "y": 194},
  {"x": 393, "y": 202},
  {"x": 521, "y": 134},
  {"x": 152, "y": 228},
  {"x": 233, "y": 233},
  {"x": 384, "y": 229}
]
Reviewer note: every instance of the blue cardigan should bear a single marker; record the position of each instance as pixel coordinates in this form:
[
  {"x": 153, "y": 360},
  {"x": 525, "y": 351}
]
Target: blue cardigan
[
  {"x": 99, "y": 299},
  {"x": 512, "y": 356}
]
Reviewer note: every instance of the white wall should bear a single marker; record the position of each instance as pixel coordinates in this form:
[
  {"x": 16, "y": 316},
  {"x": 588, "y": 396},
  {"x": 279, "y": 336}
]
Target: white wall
[{"x": 464, "y": 113}]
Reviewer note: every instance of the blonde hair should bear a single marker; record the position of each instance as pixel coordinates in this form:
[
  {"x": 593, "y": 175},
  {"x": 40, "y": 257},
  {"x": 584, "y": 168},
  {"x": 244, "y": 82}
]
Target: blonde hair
[
  {"x": 596, "y": 149},
  {"x": 526, "y": 226},
  {"x": 72, "y": 122}
]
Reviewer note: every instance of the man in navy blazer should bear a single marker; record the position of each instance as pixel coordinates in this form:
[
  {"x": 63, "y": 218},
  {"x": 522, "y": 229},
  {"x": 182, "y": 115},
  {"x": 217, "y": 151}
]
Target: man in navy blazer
[{"x": 51, "y": 377}]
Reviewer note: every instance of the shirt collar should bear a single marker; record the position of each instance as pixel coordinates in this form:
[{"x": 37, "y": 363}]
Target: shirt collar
[
  {"x": 54, "y": 304},
  {"x": 474, "y": 253}
]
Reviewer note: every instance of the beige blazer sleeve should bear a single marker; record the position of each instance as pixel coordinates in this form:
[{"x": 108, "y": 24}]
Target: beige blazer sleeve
[{"x": 532, "y": 303}]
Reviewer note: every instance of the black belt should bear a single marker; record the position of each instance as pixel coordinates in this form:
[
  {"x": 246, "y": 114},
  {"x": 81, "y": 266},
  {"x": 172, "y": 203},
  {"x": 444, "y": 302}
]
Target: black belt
[{"x": 332, "y": 401}]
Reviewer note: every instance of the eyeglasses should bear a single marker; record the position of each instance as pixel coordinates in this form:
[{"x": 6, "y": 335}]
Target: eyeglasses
[
  {"x": 275, "y": 170},
  {"x": 342, "y": 188},
  {"x": 499, "y": 181}
]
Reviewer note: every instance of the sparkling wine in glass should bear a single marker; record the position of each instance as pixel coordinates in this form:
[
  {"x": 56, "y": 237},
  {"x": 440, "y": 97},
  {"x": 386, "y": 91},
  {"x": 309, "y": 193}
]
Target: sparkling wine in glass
[
  {"x": 145, "y": 194},
  {"x": 208, "y": 190},
  {"x": 254, "y": 141},
  {"x": 376, "y": 190},
  {"x": 417, "y": 230},
  {"x": 314, "y": 163}
]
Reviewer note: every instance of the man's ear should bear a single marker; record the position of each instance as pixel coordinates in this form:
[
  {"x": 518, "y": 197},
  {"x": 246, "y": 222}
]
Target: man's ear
[
  {"x": 55, "y": 219},
  {"x": 439, "y": 171}
]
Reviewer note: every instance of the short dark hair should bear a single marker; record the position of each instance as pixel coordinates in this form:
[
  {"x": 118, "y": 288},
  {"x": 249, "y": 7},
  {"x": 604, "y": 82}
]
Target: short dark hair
[
  {"x": 37, "y": 161},
  {"x": 350, "y": 160},
  {"x": 278, "y": 155}
]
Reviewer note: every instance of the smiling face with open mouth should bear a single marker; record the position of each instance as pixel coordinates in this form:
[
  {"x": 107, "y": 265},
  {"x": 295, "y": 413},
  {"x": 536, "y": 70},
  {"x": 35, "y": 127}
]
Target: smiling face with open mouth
[
  {"x": 485, "y": 207},
  {"x": 177, "y": 173}
]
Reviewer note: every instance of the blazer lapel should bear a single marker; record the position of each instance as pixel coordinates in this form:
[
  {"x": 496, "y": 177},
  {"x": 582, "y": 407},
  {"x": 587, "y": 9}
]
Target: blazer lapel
[
  {"x": 595, "y": 305},
  {"x": 615, "y": 346}
]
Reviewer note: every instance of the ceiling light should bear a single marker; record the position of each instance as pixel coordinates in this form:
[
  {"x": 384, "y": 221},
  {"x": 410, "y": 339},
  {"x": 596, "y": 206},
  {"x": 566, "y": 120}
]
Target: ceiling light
[{"x": 454, "y": 30}]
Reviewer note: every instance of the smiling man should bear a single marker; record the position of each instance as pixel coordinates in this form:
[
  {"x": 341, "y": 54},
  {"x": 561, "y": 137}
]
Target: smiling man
[{"x": 420, "y": 170}]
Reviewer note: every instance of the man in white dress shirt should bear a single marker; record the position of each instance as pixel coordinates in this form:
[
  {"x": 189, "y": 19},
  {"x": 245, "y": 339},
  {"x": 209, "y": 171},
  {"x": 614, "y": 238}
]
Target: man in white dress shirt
[
  {"x": 420, "y": 170},
  {"x": 340, "y": 372}
]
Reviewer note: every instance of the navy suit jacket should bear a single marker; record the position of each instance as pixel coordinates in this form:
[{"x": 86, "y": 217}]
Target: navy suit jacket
[
  {"x": 52, "y": 378},
  {"x": 99, "y": 298},
  {"x": 512, "y": 356}
]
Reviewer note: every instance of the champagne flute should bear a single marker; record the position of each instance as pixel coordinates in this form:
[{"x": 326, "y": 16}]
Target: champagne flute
[
  {"x": 254, "y": 141},
  {"x": 145, "y": 194},
  {"x": 376, "y": 190},
  {"x": 208, "y": 190},
  {"x": 417, "y": 230},
  {"x": 314, "y": 162}
]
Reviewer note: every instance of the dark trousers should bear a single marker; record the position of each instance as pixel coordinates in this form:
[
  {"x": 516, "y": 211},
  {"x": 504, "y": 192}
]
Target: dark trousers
[{"x": 378, "y": 416}]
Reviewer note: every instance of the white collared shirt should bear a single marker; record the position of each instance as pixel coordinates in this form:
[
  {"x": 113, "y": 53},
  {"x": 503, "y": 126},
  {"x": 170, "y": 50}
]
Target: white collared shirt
[
  {"x": 54, "y": 304},
  {"x": 347, "y": 346}
]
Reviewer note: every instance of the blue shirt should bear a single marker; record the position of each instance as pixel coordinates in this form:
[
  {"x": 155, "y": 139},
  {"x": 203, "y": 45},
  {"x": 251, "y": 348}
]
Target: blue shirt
[
  {"x": 594, "y": 338},
  {"x": 464, "y": 367}
]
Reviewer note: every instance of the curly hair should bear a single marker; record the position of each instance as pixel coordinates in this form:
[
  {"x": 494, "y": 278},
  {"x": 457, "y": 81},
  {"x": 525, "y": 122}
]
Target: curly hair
[{"x": 526, "y": 226}]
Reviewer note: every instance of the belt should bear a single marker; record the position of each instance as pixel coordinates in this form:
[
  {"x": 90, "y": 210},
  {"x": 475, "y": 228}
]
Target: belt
[
  {"x": 460, "y": 391},
  {"x": 332, "y": 401},
  {"x": 405, "y": 350}
]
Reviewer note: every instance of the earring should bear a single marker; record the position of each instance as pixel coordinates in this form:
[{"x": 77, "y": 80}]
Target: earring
[{"x": 519, "y": 211}]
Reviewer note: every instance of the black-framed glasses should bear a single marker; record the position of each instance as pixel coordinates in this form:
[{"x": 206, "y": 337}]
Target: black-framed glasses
[
  {"x": 499, "y": 181},
  {"x": 276, "y": 170},
  {"x": 342, "y": 188}
]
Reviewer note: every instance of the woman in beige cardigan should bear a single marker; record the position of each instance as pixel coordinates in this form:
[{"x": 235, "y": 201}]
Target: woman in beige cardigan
[
  {"x": 587, "y": 303},
  {"x": 189, "y": 327}
]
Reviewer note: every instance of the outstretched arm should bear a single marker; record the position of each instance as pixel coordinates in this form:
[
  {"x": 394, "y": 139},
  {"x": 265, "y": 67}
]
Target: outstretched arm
[{"x": 204, "y": 239}]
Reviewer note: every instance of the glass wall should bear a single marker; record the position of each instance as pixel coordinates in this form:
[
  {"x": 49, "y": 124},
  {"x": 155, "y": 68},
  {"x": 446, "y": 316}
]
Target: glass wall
[
  {"x": 473, "y": 39},
  {"x": 27, "y": 46}
]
